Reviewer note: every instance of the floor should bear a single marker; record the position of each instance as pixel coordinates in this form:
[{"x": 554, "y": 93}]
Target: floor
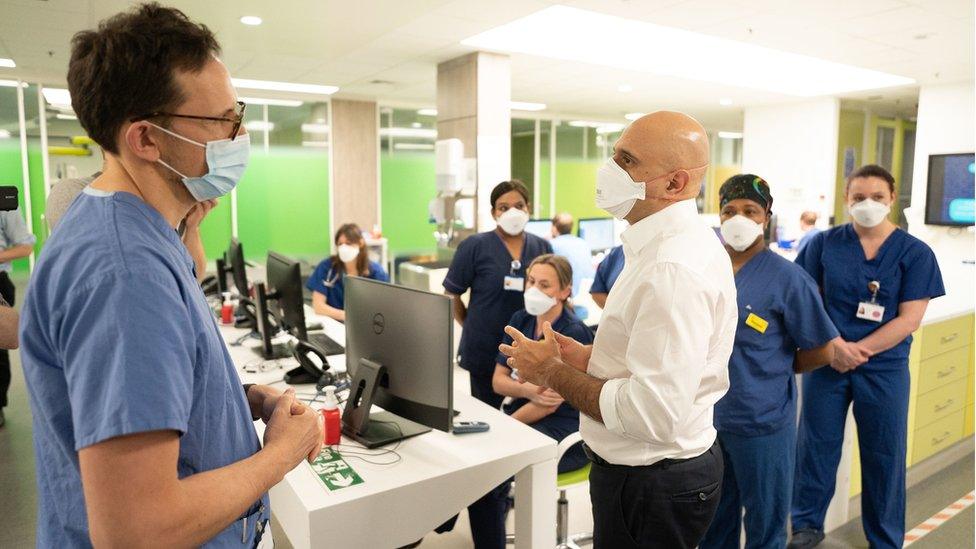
[{"x": 18, "y": 503}]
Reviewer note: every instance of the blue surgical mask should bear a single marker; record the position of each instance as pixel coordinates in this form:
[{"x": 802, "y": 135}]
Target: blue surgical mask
[{"x": 226, "y": 160}]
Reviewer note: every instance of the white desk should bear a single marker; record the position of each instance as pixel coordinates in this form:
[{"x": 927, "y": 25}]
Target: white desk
[{"x": 439, "y": 475}]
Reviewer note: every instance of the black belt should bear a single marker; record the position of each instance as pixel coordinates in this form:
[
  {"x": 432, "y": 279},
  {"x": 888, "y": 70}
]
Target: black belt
[{"x": 662, "y": 464}]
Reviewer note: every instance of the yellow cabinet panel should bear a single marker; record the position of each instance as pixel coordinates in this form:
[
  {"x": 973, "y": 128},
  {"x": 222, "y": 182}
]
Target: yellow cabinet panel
[
  {"x": 855, "y": 468},
  {"x": 946, "y": 335},
  {"x": 950, "y": 367},
  {"x": 967, "y": 429},
  {"x": 939, "y": 403},
  {"x": 938, "y": 436}
]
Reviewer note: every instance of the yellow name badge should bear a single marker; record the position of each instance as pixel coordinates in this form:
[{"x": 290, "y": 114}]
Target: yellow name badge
[{"x": 756, "y": 323}]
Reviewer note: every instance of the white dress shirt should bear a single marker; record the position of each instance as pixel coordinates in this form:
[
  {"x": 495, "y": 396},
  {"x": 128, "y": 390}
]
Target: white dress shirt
[{"x": 664, "y": 342}]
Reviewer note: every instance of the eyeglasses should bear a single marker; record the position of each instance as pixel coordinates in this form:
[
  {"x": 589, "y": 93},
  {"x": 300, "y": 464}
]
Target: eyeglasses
[{"x": 237, "y": 119}]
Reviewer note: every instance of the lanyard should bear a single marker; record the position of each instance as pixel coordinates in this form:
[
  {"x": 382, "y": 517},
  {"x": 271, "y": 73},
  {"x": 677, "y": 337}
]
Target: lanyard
[{"x": 873, "y": 287}]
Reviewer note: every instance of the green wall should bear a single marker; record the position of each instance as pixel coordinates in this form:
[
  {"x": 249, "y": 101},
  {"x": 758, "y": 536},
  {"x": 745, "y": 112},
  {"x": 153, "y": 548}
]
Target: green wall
[
  {"x": 850, "y": 135},
  {"x": 11, "y": 175},
  {"x": 576, "y": 188},
  {"x": 407, "y": 184},
  {"x": 282, "y": 205}
]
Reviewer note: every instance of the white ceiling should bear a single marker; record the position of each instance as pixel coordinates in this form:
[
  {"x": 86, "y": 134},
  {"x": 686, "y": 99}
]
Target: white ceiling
[{"x": 389, "y": 49}]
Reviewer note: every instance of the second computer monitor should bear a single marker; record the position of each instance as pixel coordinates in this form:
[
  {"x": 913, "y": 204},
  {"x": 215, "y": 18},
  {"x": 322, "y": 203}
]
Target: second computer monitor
[
  {"x": 598, "y": 232},
  {"x": 539, "y": 227},
  {"x": 411, "y": 334},
  {"x": 234, "y": 257},
  {"x": 285, "y": 288}
]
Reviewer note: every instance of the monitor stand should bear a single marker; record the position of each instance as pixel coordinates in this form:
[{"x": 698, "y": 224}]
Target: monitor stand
[
  {"x": 278, "y": 351},
  {"x": 298, "y": 376},
  {"x": 380, "y": 428}
]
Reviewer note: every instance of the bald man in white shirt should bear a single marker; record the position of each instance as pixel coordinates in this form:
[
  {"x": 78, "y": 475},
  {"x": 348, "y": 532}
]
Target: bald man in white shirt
[{"x": 648, "y": 384}]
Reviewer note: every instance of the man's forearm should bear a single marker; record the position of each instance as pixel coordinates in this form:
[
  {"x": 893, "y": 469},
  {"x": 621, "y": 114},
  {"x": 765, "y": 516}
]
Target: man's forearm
[
  {"x": 238, "y": 485},
  {"x": 889, "y": 335},
  {"x": 581, "y": 390},
  {"x": 16, "y": 252},
  {"x": 8, "y": 328}
]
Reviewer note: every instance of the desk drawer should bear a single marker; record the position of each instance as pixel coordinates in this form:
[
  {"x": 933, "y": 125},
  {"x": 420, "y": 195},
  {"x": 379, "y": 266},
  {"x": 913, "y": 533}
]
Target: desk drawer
[
  {"x": 940, "y": 370},
  {"x": 947, "y": 335},
  {"x": 939, "y": 403},
  {"x": 938, "y": 436}
]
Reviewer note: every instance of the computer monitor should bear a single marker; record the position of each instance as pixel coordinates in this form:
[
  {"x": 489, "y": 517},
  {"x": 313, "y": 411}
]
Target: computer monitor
[
  {"x": 285, "y": 286},
  {"x": 949, "y": 195},
  {"x": 540, "y": 227},
  {"x": 598, "y": 232},
  {"x": 399, "y": 354},
  {"x": 234, "y": 258}
]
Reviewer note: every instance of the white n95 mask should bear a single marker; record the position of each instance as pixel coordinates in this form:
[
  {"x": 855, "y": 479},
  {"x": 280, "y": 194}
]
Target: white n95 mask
[
  {"x": 348, "y": 253},
  {"x": 616, "y": 192},
  {"x": 513, "y": 221},
  {"x": 869, "y": 213},
  {"x": 740, "y": 232},
  {"x": 537, "y": 302}
]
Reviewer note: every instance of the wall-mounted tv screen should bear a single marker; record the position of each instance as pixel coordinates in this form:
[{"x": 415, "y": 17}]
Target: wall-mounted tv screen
[{"x": 951, "y": 184}]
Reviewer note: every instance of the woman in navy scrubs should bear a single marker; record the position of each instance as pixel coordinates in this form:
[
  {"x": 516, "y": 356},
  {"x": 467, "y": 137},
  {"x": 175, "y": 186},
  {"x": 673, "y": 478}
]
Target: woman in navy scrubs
[
  {"x": 492, "y": 265},
  {"x": 328, "y": 295},
  {"x": 783, "y": 328},
  {"x": 549, "y": 283},
  {"x": 876, "y": 281}
]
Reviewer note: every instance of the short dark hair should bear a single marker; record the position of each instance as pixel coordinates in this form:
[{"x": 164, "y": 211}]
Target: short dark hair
[
  {"x": 509, "y": 186},
  {"x": 125, "y": 68},
  {"x": 872, "y": 170}
]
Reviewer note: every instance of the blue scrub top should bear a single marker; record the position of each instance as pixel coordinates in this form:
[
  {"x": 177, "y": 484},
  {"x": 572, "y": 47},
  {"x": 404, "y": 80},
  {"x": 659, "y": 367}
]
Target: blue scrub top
[
  {"x": 762, "y": 389},
  {"x": 567, "y": 324},
  {"x": 117, "y": 338},
  {"x": 608, "y": 270},
  {"x": 905, "y": 266},
  {"x": 481, "y": 263},
  {"x": 328, "y": 281},
  {"x": 577, "y": 252}
]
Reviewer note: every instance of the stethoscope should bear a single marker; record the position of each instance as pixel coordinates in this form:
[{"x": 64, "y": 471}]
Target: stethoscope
[
  {"x": 330, "y": 283},
  {"x": 514, "y": 267}
]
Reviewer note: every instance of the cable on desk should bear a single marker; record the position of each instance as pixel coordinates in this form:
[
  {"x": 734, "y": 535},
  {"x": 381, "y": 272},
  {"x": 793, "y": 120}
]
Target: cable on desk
[{"x": 379, "y": 451}]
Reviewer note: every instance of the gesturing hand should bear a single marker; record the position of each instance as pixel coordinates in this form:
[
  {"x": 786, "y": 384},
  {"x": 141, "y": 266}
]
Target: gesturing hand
[
  {"x": 198, "y": 212},
  {"x": 531, "y": 359},
  {"x": 573, "y": 352}
]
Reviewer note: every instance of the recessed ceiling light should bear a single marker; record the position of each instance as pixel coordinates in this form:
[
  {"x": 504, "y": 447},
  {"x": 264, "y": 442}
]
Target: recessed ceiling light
[
  {"x": 725, "y": 101},
  {"x": 625, "y": 88},
  {"x": 8, "y": 63},
  {"x": 4, "y": 134},
  {"x": 317, "y": 89},
  {"x": 600, "y": 127},
  {"x": 416, "y": 125},
  {"x": 634, "y": 115},
  {"x": 730, "y": 135},
  {"x": 252, "y": 20},
  {"x": 582, "y": 36},
  {"x": 523, "y": 106},
  {"x": 413, "y": 146},
  {"x": 315, "y": 128},
  {"x": 65, "y": 116},
  {"x": 57, "y": 97},
  {"x": 275, "y": 102},
  {"x": 259, "y": 126},
  {"x": 408, "y": 132},
  {"x": 427, "y": 112}
]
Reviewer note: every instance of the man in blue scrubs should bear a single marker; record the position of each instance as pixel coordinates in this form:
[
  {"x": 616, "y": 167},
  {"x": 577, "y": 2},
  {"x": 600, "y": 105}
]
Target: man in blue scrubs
[
  {"x": 779, "y": 312},
  {"x": 573, "y": 248},
  {"x": 142, "y": 431},
  {"x": 876, "y": 282},
  {"x": 606, "y": 275}
]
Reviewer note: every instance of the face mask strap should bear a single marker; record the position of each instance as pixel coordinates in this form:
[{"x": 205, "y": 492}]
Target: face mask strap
[
  {"x": 171, "y": 168},
  {"x": 178, "y": 136}
]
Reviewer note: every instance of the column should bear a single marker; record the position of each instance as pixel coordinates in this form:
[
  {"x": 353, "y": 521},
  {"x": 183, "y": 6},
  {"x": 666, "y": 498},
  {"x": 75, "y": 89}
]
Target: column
[{"x": 355, "y": 164}]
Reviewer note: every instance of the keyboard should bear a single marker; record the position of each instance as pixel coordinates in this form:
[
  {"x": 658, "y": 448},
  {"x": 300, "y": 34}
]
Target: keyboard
[{"x": 326, "y": 344}]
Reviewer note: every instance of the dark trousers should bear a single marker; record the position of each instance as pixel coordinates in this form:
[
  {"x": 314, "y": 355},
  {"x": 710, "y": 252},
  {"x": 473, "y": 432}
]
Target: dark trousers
[
  {"x": 7, "y": 291},
  {"x": 669, "y": 504},
  {"x": 482, "y": 390}
]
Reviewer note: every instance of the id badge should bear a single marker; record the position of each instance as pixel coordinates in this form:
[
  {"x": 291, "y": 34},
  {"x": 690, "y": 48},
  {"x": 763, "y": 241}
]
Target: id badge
[
  {"x": 514, "y": 283},
  {"x": 870, "y": 311},
  {"x": 757, "y": 323}
]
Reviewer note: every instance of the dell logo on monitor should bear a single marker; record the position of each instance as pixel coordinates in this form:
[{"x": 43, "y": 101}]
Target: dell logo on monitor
[{"x": 378, "y": 323}]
